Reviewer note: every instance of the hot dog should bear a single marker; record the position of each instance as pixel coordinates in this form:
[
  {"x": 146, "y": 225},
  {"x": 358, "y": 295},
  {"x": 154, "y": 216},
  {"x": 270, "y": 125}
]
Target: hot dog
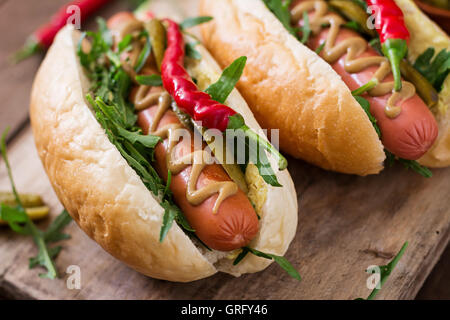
[
  {"x": 328, "y": 130},
  {"x": 409, "y": 135},
  {"x": 157, "y": 201},
  {"x": 235, "y": 223}
]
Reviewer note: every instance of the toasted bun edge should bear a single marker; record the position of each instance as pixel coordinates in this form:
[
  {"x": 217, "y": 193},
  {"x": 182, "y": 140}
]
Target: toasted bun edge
[
  {"x": 289, "y": 87},
  {"x": 105, "y": 196}
]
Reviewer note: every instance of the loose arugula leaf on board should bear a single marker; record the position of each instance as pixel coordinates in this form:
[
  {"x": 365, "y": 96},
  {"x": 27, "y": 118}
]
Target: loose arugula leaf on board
[
  {"x": 281, "y": 10},
  {"x": 15, "y": 218},
  {"x": 40, "y": 259},
  {"x": 281, "y": 261},
  {"x": 54, "y": 231},
  {"x": 434, "y": 70},
  {"x": 385, "y": 272},
  {"x": 19, "y": 222},
  {"x": 153, "y": 80},
  {"x": 194, "y": 21},
  {"x": 220, "y": 90}
]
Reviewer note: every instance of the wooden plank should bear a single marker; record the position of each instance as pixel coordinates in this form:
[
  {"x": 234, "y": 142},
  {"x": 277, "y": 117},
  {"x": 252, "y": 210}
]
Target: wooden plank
[
  {"x": 437, "y": 285},
  {"x": 17, "y": 79},
  {"x": 346, "y": 223}
]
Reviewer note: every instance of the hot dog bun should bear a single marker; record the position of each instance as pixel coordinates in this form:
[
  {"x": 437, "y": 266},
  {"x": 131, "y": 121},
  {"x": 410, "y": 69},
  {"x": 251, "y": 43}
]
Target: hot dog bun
[
  {"x": 292, "y": 89},
  {"x": 107, "y": 198},
  {"x": 289, "y": 87}
]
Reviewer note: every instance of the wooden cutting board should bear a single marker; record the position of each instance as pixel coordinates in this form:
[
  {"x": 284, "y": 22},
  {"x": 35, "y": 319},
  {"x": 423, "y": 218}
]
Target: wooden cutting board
[{"x": 346, "y": 223}]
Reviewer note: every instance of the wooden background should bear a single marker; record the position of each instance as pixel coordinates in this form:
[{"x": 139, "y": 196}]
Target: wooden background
[{"x": 346, "y": 223}]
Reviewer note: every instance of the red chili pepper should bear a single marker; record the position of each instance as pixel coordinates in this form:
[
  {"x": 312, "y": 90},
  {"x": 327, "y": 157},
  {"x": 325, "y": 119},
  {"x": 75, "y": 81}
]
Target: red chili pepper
[
  {"x": 42, "y": 38},
  {"x": 394, "y": 35},
  {"x": 199, "y": 105},
  {"x": 179, "y": 85}
]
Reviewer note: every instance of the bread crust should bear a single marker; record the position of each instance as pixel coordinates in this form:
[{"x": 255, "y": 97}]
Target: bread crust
[
  {"x": 107, "y": 198},
  {"x": 289, "y": 87},
  {"x": 426, "y": 34}
]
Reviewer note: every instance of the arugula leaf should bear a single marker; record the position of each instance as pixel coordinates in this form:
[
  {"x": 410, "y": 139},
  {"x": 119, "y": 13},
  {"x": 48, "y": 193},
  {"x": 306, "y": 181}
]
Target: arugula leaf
[
  {"x": 262, "y": 163},
  {"x": 306, "y": 29},
  {"x": 390, "y": 158},
  {"x": 169, "y": 181},
  {"x": 255, "y": 146},
  {"x": 40, "y": 259},
  {"x": 128, "y": 145},
  {"x": 408, "y": 164},
  {"x": 320, "y": 48},
  {"x": 239, "y": 134},
  {"x": 385, "y": 271},
  {"x": 144, "y": 53},
  {"x": 361, "y": 3},
  {"x": 280, "y": 9},
  {"x": 366, "y": 106},
  {"x": 220, "y": 90},
  {"x": 241, "y": 256},
  {"x": 194, "y": 21},
  {"x": 124, "y": 44},
  {"x": 169, "y": 217},
  {"x": 281, "y": 261},
  {"x": 116, "y": 116},
  {"x": 53, "y": 233},
  {"x": 15, "y": 218},
  {"x": 19, "y": 222},
  {"x": 191, "y": 52},
  {"x": 122, "y": 84},
  {"x": 172, "y": 213},
  {"x": 353, "y": 25},
  {"x": 255, "y": 149},
  {"x": 148, "y": 141},
  {"x": 416, "y": 167},
  {"x": 104, "y": 32},
  {"x": 434, "y": 70},
  {"x": 153, "y": 80}
]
